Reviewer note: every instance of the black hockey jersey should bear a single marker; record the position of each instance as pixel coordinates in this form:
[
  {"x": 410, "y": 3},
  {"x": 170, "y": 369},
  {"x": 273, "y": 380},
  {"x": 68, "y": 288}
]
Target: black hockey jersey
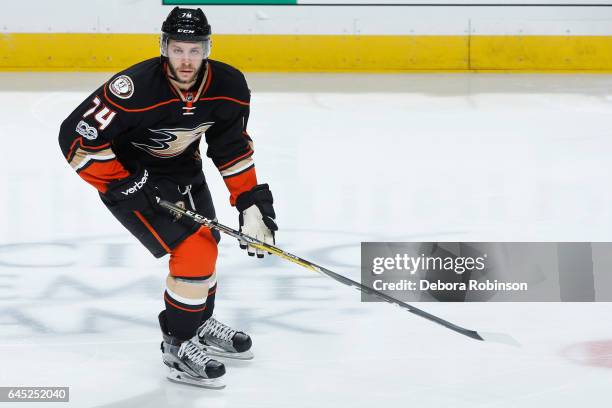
[{"x": 141, "y": 119}]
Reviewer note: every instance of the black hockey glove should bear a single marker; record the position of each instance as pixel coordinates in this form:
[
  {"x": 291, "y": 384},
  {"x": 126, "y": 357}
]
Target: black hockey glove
[
  {"x": 257, "y": 217},
  {"x": 133, "y": 193}
]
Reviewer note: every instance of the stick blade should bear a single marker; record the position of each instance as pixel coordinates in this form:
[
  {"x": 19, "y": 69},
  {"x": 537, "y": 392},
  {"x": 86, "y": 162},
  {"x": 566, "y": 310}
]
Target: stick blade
[{"x": 501, "y": 338}]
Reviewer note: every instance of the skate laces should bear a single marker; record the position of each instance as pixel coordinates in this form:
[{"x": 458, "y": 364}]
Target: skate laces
[
  {"x": 217, "y": 329},
  {"x": 194, "y": 353}
]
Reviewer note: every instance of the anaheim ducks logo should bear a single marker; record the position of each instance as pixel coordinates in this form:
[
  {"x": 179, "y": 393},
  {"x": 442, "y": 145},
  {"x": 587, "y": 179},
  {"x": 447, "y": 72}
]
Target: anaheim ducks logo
[{"x": 172, "y": 142}]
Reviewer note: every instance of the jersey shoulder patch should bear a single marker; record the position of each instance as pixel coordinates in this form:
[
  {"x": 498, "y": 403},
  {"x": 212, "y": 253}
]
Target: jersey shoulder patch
[
  {"x": 122, "y": 87},
  {"x": 140, "y": 87}
]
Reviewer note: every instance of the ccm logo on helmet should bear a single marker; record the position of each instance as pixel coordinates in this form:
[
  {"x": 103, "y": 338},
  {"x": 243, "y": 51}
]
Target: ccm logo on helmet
[
  {"x": 181, "y": 30},
  {"x": 137, "y": 185}
]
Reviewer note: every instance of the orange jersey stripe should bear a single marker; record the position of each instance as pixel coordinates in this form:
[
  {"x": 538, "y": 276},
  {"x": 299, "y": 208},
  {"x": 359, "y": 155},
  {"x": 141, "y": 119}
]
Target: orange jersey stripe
[
  {"x": 240, "y": 183},
  {"x": 99, "y": 174},
  {"x": 139, "y": 109},
  {"x": 228, "y": 164},
  {"x": 227, "y": 98},
  {"x": 79, "y": 140},
  {"x": 208, "y": 81}
]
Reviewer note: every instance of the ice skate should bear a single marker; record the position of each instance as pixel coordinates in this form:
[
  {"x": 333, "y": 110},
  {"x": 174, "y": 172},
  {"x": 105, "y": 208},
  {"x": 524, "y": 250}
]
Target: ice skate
[
  {"x": 221, "y": 340},
  {"x": 189, "y": 363}
]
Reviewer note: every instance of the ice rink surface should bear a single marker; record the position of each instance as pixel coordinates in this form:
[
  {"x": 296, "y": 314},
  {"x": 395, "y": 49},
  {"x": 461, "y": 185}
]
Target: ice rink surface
[{"x": 350, "y": 158}]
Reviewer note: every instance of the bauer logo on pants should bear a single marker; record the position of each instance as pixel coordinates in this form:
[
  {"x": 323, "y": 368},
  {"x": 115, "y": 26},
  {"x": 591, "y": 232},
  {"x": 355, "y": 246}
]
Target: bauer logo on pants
[{"x": 122, "y": 87}]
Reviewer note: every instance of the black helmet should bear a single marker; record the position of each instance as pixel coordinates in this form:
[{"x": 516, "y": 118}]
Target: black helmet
[{"x": 183, "y": 24}]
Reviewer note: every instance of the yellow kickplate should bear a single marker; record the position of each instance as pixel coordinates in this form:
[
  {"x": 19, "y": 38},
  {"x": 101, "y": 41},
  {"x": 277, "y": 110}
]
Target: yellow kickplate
[{"x": 318, "y": 53}]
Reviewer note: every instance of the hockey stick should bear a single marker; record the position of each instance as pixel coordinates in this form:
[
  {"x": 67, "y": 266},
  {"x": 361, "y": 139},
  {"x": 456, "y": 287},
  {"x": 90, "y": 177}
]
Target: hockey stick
[{"x": 494, "y": 337}]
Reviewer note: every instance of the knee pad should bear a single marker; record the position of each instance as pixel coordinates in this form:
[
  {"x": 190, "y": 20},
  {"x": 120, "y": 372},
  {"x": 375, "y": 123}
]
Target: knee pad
[{"x": 196, "y": 256}]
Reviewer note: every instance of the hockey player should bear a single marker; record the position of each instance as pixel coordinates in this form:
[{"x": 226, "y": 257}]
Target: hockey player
[{"x": 137, "y": 137}]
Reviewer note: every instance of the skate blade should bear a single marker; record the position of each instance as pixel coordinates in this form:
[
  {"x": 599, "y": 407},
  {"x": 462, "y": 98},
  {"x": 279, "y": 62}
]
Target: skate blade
[
  {"x": 183, "y": 378},
  {"x": 218, "y": 352}
]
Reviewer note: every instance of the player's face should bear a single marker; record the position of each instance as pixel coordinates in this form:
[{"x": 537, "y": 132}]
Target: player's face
[{"x": 185, "y": 59}]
